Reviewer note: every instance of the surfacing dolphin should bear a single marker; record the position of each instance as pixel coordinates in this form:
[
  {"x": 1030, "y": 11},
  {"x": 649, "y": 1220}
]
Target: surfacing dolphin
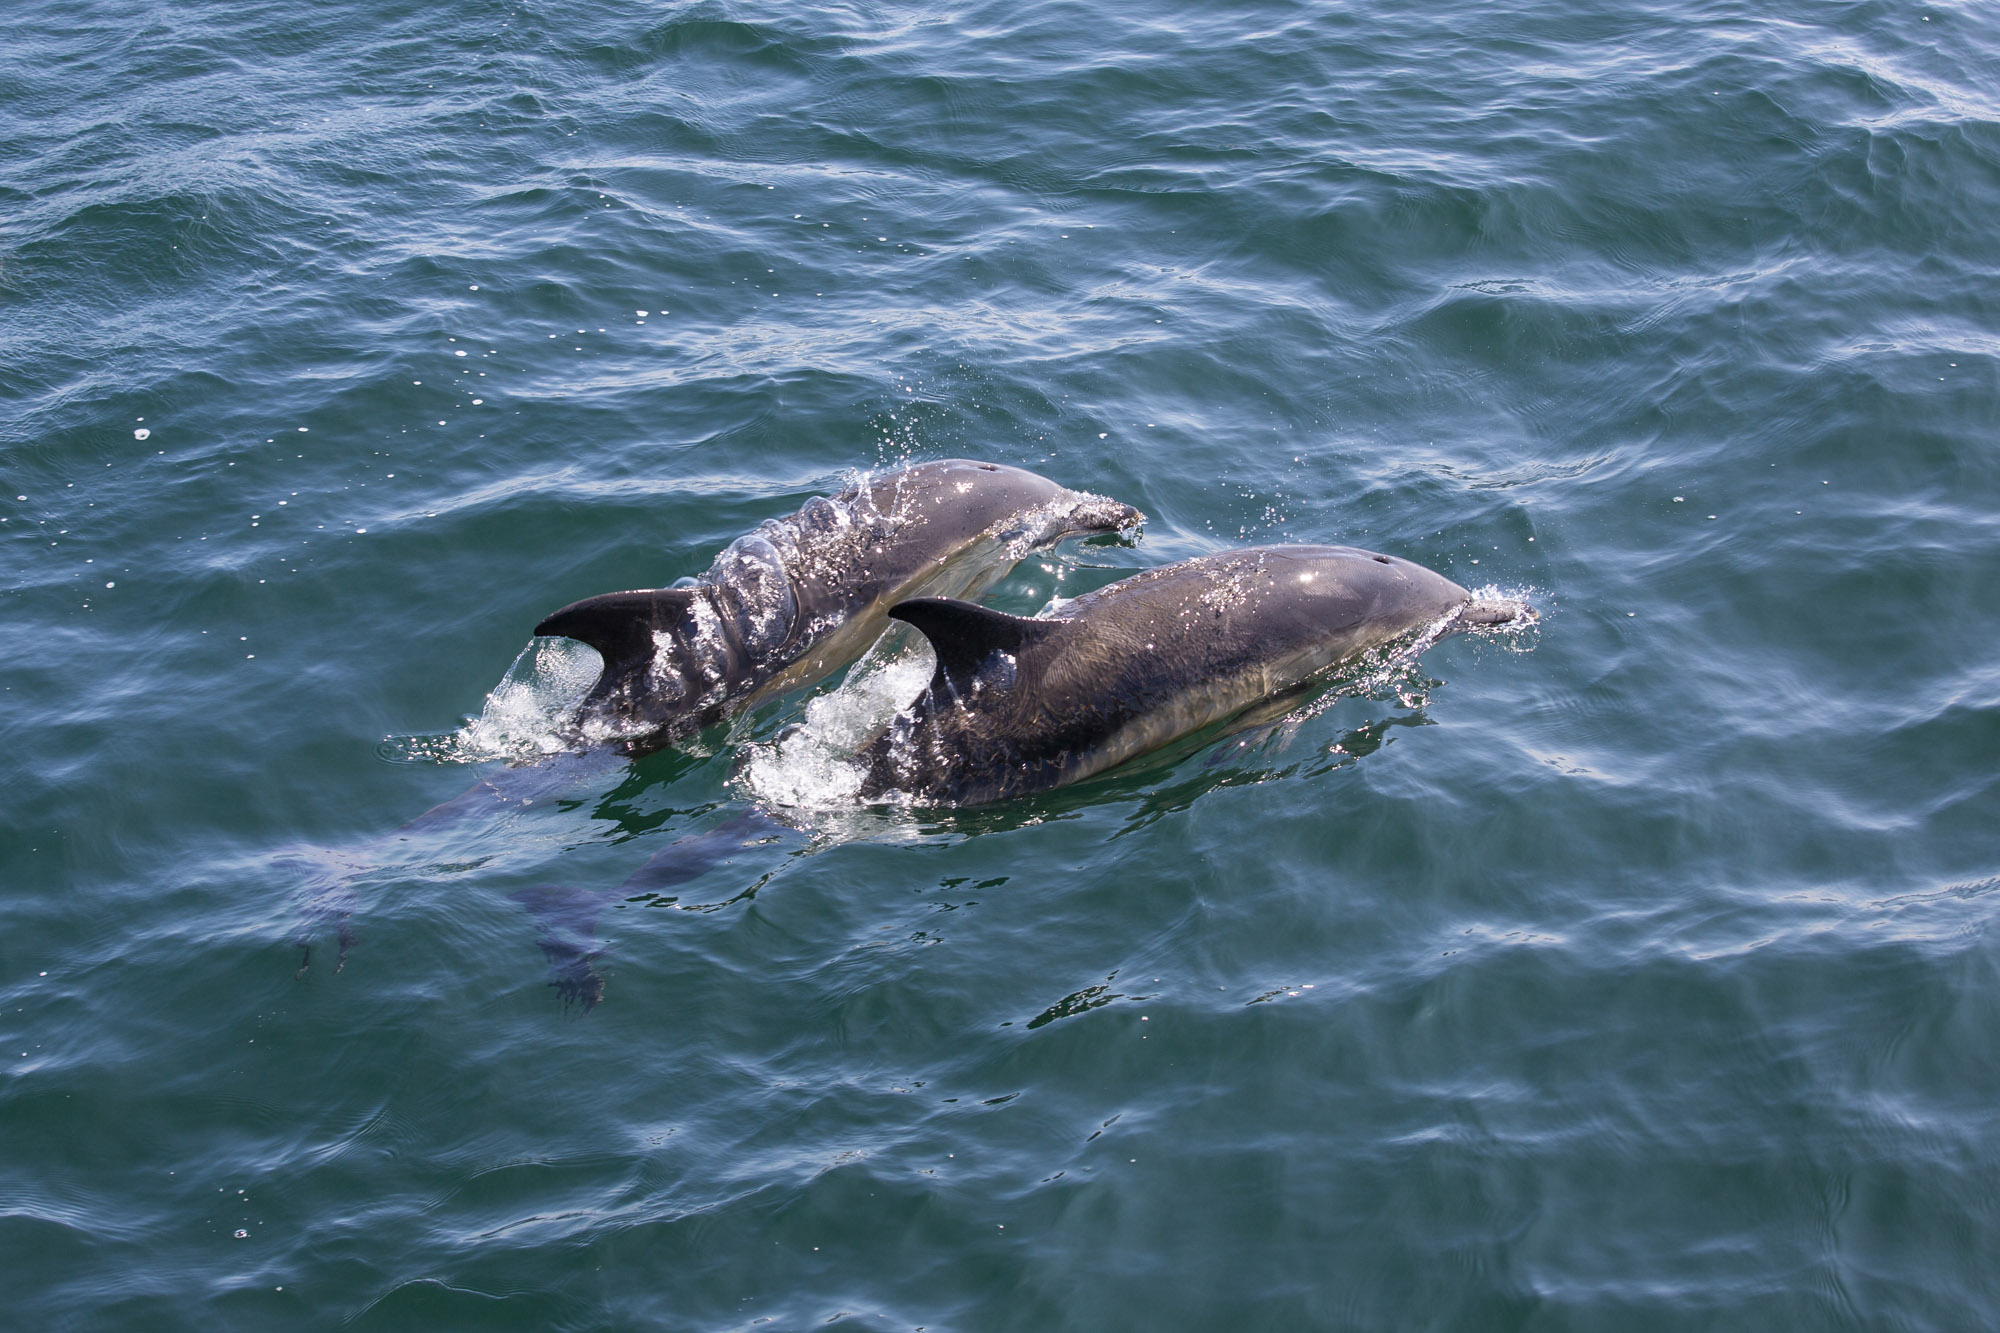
[
  {"x": 782, "y": 607},
  {"x": 1020, "y": 705},
  {"x": 802, "y": 596}
]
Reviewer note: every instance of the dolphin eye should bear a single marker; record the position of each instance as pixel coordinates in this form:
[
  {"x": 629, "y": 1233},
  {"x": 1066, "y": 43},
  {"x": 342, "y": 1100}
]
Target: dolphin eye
[{"x": 1381, "y": 559}]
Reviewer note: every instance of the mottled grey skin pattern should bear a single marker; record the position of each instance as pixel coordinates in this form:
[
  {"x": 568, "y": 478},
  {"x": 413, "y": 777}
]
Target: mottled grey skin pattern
[
  {"x": 1022, "y": 705},
  {"x": 804, "y": 595}
]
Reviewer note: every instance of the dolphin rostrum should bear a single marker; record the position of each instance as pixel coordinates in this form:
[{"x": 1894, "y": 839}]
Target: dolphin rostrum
[
  {"x": 1020, "y": 705},
  {"x": 801, "y": 596}
]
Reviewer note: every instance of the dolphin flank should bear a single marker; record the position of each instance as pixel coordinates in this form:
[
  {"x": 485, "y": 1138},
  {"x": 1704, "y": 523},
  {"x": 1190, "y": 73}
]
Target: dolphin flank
[
  {"x": 1020, "y": 705},
  {"x": 801, "y": 596}
]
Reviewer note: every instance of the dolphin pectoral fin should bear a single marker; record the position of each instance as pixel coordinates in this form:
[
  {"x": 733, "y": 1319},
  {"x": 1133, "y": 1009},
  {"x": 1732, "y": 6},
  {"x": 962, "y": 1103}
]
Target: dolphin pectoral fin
[
  {"x": 620, "y": 625},
  {"x": 965, "y": 636}
]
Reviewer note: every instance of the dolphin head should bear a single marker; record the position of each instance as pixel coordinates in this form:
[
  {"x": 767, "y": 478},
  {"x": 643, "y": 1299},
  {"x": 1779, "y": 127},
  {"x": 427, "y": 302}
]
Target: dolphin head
[
  {"x": 1381, "y": 596},
  {"x": 1330, "y": 601},
  {"x": 1022, "y": 508}
]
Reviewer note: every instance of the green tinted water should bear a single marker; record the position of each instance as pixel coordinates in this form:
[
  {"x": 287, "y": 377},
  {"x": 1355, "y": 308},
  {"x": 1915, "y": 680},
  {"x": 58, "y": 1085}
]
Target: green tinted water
[{"x": 1634, "y": 974}]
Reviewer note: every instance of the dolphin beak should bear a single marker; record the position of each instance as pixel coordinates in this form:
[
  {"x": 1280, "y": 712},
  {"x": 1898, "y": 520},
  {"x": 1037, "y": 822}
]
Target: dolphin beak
[
  {"x": 1096, "y": 516},
  {"x": 1108, "y": 515},
  {"x": 1498, "y": 613}
]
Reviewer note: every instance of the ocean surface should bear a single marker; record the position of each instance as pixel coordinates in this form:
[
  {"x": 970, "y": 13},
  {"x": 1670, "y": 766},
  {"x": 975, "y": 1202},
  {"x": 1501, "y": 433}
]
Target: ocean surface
[{"x": 1636, "y": 971}]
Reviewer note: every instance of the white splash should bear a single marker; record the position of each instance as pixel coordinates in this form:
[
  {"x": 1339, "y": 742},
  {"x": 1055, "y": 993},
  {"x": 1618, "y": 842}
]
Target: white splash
[
  {"x": 1519, "y": 634},
  {"x": 526, "y": 712},
  {"x": 814, "y": 766}
]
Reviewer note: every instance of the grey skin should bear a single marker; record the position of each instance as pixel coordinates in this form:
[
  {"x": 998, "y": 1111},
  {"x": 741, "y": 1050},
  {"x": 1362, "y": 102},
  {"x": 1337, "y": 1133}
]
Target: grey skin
[
  {"x": 1022, "y": 705},
  {"x": 802, "y": 596}
]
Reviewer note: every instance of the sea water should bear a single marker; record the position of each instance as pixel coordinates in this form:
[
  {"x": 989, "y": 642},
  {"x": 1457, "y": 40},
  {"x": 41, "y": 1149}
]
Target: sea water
[{"x": 1638, "y": 974}]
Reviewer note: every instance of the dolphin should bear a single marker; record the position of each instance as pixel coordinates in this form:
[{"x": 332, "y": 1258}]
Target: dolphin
[
  {"x": 1020, "y": 705},
  {"x": 801, "y": 596}
]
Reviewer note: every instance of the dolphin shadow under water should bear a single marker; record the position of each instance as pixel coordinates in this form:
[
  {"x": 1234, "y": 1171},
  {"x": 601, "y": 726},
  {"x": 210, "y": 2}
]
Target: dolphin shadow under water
[
  {"x": 332, "y": 877},
  {"x": 567, "y": 916}
]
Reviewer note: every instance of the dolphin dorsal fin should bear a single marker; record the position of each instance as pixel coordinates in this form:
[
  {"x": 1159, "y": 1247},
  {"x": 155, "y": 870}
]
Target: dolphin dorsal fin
[
  {"x": 965, "y": 635},
  {"x": 620, "y": 625}
]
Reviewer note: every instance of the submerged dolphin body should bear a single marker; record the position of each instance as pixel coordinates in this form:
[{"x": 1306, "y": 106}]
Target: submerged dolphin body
[
  {"x": 802, "y": 596},
  {"x": 1022, "y": 705}
]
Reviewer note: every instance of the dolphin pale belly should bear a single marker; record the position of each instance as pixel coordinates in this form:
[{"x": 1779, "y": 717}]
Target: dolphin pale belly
[
  {"x": 1021, "y": 705},
  {"x": 802, "y": 596}
]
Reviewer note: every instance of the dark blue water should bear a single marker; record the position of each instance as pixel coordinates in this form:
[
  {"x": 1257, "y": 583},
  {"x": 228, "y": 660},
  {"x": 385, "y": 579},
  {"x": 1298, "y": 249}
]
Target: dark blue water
[{"x": 1635, "y": 972}]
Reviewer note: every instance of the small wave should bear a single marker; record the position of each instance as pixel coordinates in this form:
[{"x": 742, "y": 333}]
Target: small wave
[{"x": 525, "y": 716}]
